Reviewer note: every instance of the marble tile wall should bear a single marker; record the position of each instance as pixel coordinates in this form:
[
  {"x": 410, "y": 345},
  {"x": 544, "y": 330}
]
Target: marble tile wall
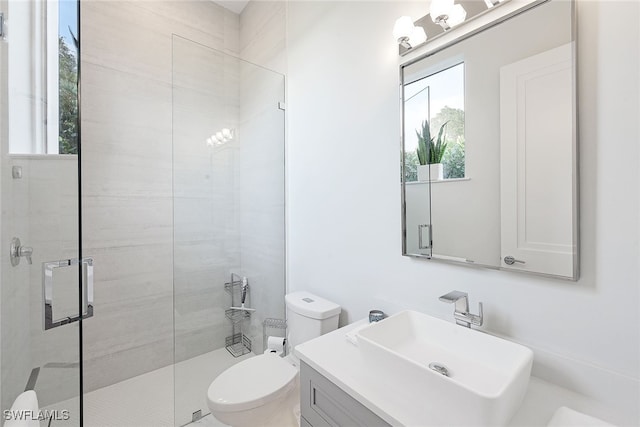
[
  {"x": 53, "y": 226},
  {"x": 128, "y": 207},
  {"x": 262, "y": 160},
  {"x": 263, "y": 34},
  {"x": 15, "y": 343},
  {"x": 15, "y": 346},
  {"x": 40, "y": 208},
  {"x": 205, "y": 100},
  {"x": 43, "y": 213},
  {"x": 261, "y": 195},
  {"x": 241, "y": 185},
  {"x": 229, "y": 199},
  {"x": 162, "y": 212}
]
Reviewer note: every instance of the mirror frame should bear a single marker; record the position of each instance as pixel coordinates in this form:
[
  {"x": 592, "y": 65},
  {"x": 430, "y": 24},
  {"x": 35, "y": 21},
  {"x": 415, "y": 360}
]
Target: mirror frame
[{"x": 508, "y": 14}]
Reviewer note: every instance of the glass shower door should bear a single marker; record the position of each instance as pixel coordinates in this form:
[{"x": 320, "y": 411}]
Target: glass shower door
[
  {"x": 228, "y": 198},
  {"x": 44, "y": 281}
]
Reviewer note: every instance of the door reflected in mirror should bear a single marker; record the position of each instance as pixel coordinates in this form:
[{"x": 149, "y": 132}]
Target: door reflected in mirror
[{"x": 497, "y": 111}]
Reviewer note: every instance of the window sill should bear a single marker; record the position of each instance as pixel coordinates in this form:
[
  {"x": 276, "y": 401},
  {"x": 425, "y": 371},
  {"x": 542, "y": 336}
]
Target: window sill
[
  {"x": 26, "y": 156},
  {"x": 439, "y": 181}
]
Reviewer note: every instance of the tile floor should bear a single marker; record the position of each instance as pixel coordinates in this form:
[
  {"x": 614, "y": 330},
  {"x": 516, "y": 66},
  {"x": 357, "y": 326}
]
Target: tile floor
[
  {"x": 207, "y": 421},
  {"x": 148, "y": 400}
]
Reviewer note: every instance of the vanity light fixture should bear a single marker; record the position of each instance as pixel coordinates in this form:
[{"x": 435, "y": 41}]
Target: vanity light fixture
[
  {"x": 447, "y": 14},
  {"x": 407, "y": 34}
]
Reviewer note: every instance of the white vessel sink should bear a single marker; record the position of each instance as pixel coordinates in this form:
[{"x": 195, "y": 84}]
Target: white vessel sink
[{"x": 487, "y": 376}]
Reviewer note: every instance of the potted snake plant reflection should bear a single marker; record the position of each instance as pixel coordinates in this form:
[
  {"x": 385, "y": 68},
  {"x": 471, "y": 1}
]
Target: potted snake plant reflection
[{"x": 430, "y": 152}]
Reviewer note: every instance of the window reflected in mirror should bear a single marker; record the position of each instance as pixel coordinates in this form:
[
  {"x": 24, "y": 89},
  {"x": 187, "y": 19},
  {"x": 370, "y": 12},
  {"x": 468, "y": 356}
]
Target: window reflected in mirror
[{"x": 434, "y": 126}]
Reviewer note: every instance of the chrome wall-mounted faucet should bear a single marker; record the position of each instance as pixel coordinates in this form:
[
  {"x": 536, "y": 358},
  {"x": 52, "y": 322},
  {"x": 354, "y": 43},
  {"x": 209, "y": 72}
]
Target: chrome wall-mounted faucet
[
  {"x": 461, "y": 312},
  {"x": 17, "y": 251}
]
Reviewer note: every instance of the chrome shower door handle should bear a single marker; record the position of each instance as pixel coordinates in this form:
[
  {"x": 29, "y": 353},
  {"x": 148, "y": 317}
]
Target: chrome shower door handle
[
  {"x": 86, "y": 287},
  {"x": 421, "y": 227}
]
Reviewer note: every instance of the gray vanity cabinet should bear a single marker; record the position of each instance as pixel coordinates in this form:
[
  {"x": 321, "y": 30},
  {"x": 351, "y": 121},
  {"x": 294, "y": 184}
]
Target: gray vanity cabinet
[{"x": 323, "y": 404}]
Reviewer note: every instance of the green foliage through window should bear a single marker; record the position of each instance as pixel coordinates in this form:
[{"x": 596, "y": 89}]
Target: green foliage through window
[
  {"x": 453, "y": 159},
  {"x": 68, "y": 99}
]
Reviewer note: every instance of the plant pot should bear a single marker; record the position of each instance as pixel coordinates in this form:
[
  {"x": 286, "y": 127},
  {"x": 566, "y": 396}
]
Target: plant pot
[
  {"x": 436, "y": 172},
  {"x": 432, "y": 172},
  {"x": 423, "y": 173}
]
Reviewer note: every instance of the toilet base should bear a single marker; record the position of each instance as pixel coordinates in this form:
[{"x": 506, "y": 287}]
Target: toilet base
[{"x": 279, "y": 413}]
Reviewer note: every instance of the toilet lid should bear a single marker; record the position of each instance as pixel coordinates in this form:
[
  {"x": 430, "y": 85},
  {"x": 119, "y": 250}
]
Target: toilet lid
[{"x": 251, "y": 383}]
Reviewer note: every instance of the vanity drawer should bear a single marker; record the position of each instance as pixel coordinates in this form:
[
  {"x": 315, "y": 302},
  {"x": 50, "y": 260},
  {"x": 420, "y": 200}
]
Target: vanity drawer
[{"x": 323, "y": 404}]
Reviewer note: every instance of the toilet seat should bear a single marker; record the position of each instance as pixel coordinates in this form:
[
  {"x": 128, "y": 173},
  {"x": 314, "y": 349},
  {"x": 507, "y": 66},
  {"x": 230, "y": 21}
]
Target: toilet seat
[{"x": 251, "y": 383}]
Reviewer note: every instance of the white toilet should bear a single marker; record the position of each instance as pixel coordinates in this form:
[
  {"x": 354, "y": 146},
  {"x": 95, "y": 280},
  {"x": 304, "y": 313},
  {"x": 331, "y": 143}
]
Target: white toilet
[{"x": 264, "y": 390}]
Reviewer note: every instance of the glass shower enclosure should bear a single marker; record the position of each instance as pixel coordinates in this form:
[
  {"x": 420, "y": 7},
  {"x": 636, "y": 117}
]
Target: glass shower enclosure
[
  {"x": 228, "y": 184},
  {"x": 45, "y": 282},
  {"x": 124, "y": 252}
]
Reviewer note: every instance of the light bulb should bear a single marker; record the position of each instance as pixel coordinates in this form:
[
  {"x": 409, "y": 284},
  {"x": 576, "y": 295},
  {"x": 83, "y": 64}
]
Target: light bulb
[
  {"x": 226, "y": 133},
  {"x": 402, "y": 28},
  {"x": 440, "y": 9},
  {"x": 457, "y": 15},
  {"x": 418, "y": 36},
  {"x": 209, "y": 142},
  {"x": 219, "y": 136}
]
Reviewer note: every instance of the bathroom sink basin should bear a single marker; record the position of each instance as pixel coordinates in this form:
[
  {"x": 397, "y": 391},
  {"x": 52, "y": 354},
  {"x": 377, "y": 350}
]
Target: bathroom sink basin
[{"x": 453, "y": 375}]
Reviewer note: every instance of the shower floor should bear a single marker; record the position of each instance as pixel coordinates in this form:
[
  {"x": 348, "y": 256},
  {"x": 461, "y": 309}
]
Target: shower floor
[{"x": 148, "y": 399}]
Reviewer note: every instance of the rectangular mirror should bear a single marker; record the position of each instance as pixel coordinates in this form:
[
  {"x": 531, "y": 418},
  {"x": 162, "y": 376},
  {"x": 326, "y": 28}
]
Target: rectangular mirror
[{"x": 489, "y": 146}]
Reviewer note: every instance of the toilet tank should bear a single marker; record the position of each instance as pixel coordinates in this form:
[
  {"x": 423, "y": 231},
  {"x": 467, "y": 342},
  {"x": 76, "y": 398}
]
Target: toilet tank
[{"x": 308, "y": 317}]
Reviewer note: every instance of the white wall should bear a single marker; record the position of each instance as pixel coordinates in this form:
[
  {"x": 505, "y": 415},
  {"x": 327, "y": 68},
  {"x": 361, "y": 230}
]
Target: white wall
[{"x": 344, "y": 195}]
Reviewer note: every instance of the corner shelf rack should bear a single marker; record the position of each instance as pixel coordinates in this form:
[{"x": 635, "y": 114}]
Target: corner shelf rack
[{"x": 237, "y": 343}]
